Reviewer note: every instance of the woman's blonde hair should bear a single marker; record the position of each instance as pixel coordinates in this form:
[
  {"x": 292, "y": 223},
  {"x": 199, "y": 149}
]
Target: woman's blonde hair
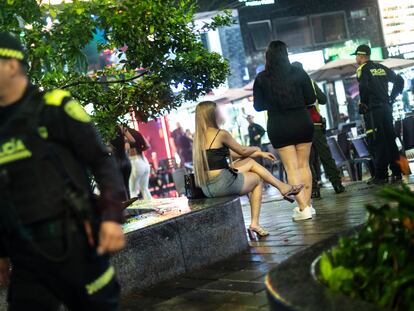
[{"x": 205, "y": 117}]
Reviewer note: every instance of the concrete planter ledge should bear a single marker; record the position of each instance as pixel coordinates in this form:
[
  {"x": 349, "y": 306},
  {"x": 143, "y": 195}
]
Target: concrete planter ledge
[{"x": 199, "y": 233}]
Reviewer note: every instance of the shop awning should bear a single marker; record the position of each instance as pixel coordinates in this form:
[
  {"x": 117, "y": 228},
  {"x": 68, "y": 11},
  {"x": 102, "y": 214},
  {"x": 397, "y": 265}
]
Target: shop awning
[
  {"x": 398, "y": 63},
  {"x": 345, "y": 68},
  {"x": 335, "y": 70},
  {"x": 229, "y": 96},
  {"x": 233, "y": 95}
]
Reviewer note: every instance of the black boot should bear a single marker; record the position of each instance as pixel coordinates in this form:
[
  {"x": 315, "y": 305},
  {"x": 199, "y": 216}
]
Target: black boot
[
  {"x": 339, "y": 188},
  {"x": 316, "y": 193},
  {"x": 377, "y": 181}
]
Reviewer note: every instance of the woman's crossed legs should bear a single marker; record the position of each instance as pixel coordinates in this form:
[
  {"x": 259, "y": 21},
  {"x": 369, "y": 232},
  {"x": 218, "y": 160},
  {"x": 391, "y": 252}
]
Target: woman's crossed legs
[{"x": 254, "y": 175}]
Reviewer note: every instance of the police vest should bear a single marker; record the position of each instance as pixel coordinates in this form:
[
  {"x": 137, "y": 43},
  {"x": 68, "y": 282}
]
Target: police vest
[{"x": 32, "y": 184}]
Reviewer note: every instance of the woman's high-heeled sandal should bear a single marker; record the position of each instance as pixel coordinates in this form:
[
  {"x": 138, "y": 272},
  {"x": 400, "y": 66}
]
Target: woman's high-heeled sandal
[
  {"x": 255, "y": 233},
  {"x": 288, "y": 196}
]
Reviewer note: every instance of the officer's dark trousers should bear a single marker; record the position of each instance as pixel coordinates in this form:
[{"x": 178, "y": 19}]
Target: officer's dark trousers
[
  {"x": 382, "y": 141},
  {"x": 83, "y": 281},
  {"x": 320, "y": 147}
]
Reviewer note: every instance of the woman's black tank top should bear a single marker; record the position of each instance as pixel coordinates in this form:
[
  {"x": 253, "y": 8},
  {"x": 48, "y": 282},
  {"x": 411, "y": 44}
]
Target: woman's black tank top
[{"x": 217, "y": 157}]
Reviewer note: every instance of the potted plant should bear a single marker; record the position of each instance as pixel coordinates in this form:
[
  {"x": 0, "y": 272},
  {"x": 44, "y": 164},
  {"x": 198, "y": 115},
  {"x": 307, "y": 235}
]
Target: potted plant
[{"x": 377, "y": 264}]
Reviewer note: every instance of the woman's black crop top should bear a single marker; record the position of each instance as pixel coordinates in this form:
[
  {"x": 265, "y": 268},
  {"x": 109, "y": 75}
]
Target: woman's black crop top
[{"x": 217, "y": 157}]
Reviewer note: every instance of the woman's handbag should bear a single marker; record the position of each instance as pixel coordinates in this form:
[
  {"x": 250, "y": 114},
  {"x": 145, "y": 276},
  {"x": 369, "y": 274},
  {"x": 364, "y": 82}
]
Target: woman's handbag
[{"x": 191, "y": 190}]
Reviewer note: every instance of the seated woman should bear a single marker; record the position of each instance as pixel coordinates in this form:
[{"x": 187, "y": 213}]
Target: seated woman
[{"x": 212, "y": 147}]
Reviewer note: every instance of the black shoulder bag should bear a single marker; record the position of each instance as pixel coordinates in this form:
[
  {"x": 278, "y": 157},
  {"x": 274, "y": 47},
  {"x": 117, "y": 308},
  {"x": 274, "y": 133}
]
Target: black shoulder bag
[{"x": 191, "y": 190}]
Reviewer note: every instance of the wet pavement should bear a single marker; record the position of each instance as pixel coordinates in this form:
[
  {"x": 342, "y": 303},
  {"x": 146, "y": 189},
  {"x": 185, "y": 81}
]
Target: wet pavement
[{"x": 237, "y": 283}]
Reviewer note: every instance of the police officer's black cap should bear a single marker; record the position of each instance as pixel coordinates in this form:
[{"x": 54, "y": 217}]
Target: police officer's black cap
[
  {"x": 362, "y": 50},
  {"x": 11, "y": 47}
]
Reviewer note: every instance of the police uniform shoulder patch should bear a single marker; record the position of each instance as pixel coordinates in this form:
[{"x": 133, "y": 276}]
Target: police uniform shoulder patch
[
  {"x": 74, "y": 110},
  {"x": 55, "y": 97}
]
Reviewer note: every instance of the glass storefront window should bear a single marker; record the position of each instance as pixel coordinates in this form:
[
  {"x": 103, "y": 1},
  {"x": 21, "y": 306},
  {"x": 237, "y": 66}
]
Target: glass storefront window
[
  {"x": 330, "y": 27},
  {"x": 261, "y": 33},
  {"x": 294, "y": 31}
]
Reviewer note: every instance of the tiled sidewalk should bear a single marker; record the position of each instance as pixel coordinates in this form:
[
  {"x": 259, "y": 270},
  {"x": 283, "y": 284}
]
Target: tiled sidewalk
[{"x": 237, "y": 283}]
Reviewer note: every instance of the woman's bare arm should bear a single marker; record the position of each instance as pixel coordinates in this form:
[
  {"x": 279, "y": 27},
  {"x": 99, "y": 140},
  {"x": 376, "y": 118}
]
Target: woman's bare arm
[
  {"x": 241, "y": 151},
  {"x": 129, "y": 137},
  {"x": 256, "y": 154},
  {"x": 235, "y": 155}
]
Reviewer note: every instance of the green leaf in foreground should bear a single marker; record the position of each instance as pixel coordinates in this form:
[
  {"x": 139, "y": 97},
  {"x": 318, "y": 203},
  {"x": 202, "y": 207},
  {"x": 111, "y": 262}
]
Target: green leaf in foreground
[{"x": 326, "y": 267}]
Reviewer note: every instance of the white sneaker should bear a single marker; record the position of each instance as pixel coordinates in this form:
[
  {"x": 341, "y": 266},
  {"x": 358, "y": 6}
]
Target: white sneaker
[
  {"x": 299, "y": 215},
  {"x": 313, "y": 211}
]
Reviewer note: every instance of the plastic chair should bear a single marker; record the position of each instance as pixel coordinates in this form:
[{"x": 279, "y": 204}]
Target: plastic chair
[
  {"x": 363, "y": 157},
  {"x": 344, "y": 144},
  {"x": 339, "y": 157}
]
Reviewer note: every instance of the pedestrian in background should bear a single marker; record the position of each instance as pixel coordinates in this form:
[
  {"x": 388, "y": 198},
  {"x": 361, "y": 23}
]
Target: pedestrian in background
[
  {"x": 256, "y": 132},
  {"x": 186, "y": 145},
  {"x": 176, "y": 136},
  {"x": 120, "y": 149},
  {"x": 139, "y": 179},
  {"x": 285, "y": 92},
  {"x": 320, "y": 146},
  {"x": 377, "y": 105},
  {"x": 189, "y": 134}
]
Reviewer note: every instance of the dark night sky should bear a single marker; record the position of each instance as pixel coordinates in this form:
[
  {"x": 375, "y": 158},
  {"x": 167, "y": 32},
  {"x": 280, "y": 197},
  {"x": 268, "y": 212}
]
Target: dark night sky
[{"x": 211, "y": 5}]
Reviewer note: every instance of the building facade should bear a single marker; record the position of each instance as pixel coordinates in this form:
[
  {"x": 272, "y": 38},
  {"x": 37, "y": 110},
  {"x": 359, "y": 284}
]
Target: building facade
[{"x": 309, "y": 25}]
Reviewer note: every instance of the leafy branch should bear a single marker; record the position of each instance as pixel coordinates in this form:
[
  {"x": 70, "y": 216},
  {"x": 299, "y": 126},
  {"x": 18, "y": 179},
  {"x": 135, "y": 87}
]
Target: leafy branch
[{"x": 159, "y": 37}]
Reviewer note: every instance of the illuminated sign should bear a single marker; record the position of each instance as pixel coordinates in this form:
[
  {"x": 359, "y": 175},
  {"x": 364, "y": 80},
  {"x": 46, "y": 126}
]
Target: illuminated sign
[
  {"x": 397, "y": 21},
  {"x": 257, "y": 2},
  {"x": 406, "y": 51},
  {"x": 345, "y": 50},
  {"x": 310, "y": 60}
]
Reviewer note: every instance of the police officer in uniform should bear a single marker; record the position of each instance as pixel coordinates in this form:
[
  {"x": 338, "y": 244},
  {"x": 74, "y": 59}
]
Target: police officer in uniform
[
  {"x": 53, "y": 233},
  {"x": 376, "y": 106}
]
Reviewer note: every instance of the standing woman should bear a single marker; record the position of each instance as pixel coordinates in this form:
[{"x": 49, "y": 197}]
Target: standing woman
[
  {"x": 120, "y": 148},
  {"x": 212, "y": 150},
  {"x": 139, "y": 180},
  {"x": 285, "y": 92}
]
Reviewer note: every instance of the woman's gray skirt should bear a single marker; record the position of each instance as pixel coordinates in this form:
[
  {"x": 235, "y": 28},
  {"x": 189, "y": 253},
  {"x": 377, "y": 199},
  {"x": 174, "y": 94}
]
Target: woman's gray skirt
[{"x": 224, "y": 184}]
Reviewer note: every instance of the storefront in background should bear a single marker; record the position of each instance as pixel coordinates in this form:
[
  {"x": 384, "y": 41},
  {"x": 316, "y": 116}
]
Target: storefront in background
[
  {"x": 157, "y": 133},
  {"x": 307, "y": 26},
  {"x": 397, "y": 18}
]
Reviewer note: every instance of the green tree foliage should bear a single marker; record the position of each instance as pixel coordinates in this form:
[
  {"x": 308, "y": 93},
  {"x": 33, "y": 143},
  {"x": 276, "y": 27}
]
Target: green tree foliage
[
  {"x": 377, "y": 264},
  {"x": 160, "y": 38}
]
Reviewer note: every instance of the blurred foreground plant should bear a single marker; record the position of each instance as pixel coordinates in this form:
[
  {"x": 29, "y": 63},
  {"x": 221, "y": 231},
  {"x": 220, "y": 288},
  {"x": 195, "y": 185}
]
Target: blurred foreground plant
[{"x": 377, "y": 264}]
